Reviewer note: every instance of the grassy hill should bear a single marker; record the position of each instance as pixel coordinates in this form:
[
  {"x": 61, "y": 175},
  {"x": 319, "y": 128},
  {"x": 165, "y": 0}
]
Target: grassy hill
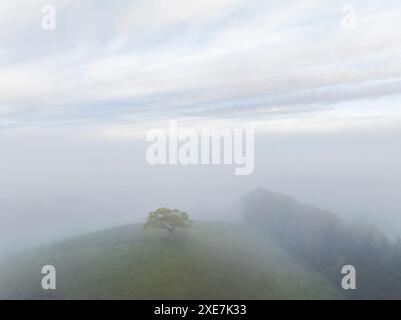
[{"x": 209, "y": 261}]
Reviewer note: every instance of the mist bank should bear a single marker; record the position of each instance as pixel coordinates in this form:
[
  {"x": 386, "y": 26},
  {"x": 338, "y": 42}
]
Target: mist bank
[{"x": 61, "y": 182}]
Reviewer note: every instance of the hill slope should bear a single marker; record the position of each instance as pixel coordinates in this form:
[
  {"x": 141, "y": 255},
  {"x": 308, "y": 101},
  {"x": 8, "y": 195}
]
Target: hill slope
[{"x": 210, "y": 261}]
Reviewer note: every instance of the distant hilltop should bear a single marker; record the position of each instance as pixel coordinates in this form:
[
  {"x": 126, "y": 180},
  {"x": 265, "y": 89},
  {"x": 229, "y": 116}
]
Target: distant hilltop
[{"x": 326, "y": 242}]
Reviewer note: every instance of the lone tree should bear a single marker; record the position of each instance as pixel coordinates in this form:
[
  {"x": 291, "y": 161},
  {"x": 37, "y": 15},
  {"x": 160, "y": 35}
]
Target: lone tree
[{"x": 168, "y": 219}]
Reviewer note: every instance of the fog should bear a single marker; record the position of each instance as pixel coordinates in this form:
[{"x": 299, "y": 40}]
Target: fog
[
  {"x": 79, "y": 79},
  {"x": 84, "y": 83},
  {"x": 56, "y": 183}
]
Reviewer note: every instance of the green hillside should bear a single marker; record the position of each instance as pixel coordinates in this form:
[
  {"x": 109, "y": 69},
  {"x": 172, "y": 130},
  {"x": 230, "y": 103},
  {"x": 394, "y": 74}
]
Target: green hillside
[{"x": 209, "y": 261}]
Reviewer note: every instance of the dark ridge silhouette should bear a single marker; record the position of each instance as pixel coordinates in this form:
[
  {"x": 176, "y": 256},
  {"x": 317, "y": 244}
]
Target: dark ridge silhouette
[{"x": 327, "y": 242}]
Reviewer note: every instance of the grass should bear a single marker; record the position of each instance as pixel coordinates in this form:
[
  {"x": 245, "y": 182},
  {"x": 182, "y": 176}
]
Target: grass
[{"x": 209, "y": 261}]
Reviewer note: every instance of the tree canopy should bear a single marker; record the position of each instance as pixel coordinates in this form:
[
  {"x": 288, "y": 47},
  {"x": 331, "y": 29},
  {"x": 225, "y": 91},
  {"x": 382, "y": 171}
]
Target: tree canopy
[{"x": 168, "y": 219}]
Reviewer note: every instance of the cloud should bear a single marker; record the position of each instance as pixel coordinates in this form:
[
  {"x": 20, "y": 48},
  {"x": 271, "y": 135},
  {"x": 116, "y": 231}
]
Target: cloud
[{"x": 115, "y": 65}]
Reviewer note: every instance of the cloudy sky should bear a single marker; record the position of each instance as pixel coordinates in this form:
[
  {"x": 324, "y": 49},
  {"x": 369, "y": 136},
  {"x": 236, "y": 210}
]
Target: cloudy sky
[
  {"x": 320, "y": 81},
  {"x": 116, "y": 67}
]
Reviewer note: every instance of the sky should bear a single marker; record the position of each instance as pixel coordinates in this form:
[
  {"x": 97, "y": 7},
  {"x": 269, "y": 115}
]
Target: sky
[
  {"x": 321, "y": 78},
  {"x": 128, "y": 64}
]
